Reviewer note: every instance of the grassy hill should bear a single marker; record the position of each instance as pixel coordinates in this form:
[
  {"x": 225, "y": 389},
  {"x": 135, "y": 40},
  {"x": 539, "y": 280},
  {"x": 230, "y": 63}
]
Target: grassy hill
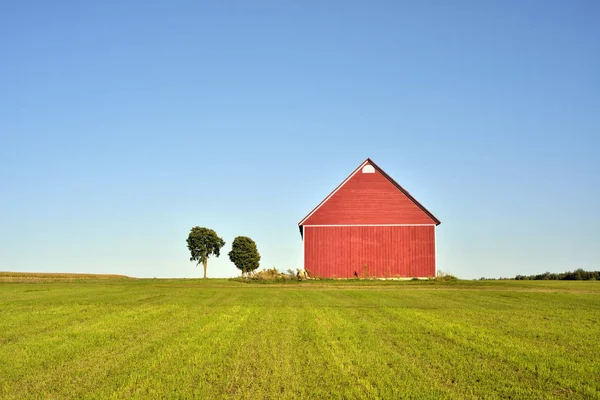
[
  {"x": 54, "y": 277},
  {"x": 68, "y": 337}
]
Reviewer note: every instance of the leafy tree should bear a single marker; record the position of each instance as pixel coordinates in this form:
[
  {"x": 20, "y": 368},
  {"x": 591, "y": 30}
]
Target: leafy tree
[
  {"x": 203, "y": 243},
  {"x": 244, "y": 254}
]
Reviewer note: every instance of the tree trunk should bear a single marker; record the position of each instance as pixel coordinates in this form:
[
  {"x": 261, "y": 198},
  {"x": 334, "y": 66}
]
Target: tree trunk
[{"x": 204, "y": 265}]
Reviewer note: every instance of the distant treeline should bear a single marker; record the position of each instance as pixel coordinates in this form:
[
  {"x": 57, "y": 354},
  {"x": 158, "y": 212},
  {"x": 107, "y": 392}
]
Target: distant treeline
[{"x": 577, "y": 275}]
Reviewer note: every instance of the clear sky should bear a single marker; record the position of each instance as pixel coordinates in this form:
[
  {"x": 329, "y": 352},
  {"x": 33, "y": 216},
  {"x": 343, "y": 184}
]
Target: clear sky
[{"x": 123, "y": 124}]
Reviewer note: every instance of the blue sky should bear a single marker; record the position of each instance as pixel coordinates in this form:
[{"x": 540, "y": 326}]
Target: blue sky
[{"x": 124, "y": 124}]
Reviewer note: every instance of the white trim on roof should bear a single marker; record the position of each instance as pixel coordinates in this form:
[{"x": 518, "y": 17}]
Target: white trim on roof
[{"x": 335, "y": 191}]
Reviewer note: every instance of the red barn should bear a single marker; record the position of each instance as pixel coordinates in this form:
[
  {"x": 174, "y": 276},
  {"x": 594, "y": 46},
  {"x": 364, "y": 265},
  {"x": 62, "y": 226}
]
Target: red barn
[{"x": 369, "y": 226}]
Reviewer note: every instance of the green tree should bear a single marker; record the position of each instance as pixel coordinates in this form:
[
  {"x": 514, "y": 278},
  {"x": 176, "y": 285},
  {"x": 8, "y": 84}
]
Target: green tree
[
  {"x": 244, "y": 254},
  {"x": 203, "y": 243}
]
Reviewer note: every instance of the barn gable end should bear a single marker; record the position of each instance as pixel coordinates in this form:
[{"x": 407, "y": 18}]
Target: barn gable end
[
  {"x": 369, "y": 226},
  {"x": 369, "y": 197}
]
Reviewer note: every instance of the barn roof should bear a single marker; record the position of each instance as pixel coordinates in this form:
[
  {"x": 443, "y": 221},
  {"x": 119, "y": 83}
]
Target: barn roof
[{"x": 368, "y": 161}]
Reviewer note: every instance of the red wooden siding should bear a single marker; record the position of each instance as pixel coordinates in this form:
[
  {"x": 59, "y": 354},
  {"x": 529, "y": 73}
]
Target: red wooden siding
[
  {"x": 387, "y": 251},
  {"x": 368, "y": 198}
]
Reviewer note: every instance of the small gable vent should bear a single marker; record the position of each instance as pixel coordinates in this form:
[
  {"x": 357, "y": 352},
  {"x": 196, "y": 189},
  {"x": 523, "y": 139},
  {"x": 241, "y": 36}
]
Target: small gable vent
[{"x": 368, "y": 169}]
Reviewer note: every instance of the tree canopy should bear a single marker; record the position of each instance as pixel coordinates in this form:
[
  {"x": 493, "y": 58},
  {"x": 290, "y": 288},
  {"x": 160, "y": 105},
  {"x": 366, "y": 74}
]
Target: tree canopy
[
  {"x": 203, "y": 243},
  {"x": 244, "y": 254}
]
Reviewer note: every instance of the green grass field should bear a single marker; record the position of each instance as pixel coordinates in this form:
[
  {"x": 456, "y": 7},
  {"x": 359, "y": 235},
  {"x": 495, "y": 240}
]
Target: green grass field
[{"x": 83, "y": 337}]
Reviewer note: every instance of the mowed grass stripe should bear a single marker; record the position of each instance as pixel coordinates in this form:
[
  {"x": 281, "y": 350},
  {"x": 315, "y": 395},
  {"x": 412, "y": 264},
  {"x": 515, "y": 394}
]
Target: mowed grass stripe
[
  {"x": 223, "y": 339},
  {"x": 189, "y": 359},
  {"x": 460, "y": 340},
  {"x": 353, "y": 338},
  {"x": 82, "y": 353}
]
